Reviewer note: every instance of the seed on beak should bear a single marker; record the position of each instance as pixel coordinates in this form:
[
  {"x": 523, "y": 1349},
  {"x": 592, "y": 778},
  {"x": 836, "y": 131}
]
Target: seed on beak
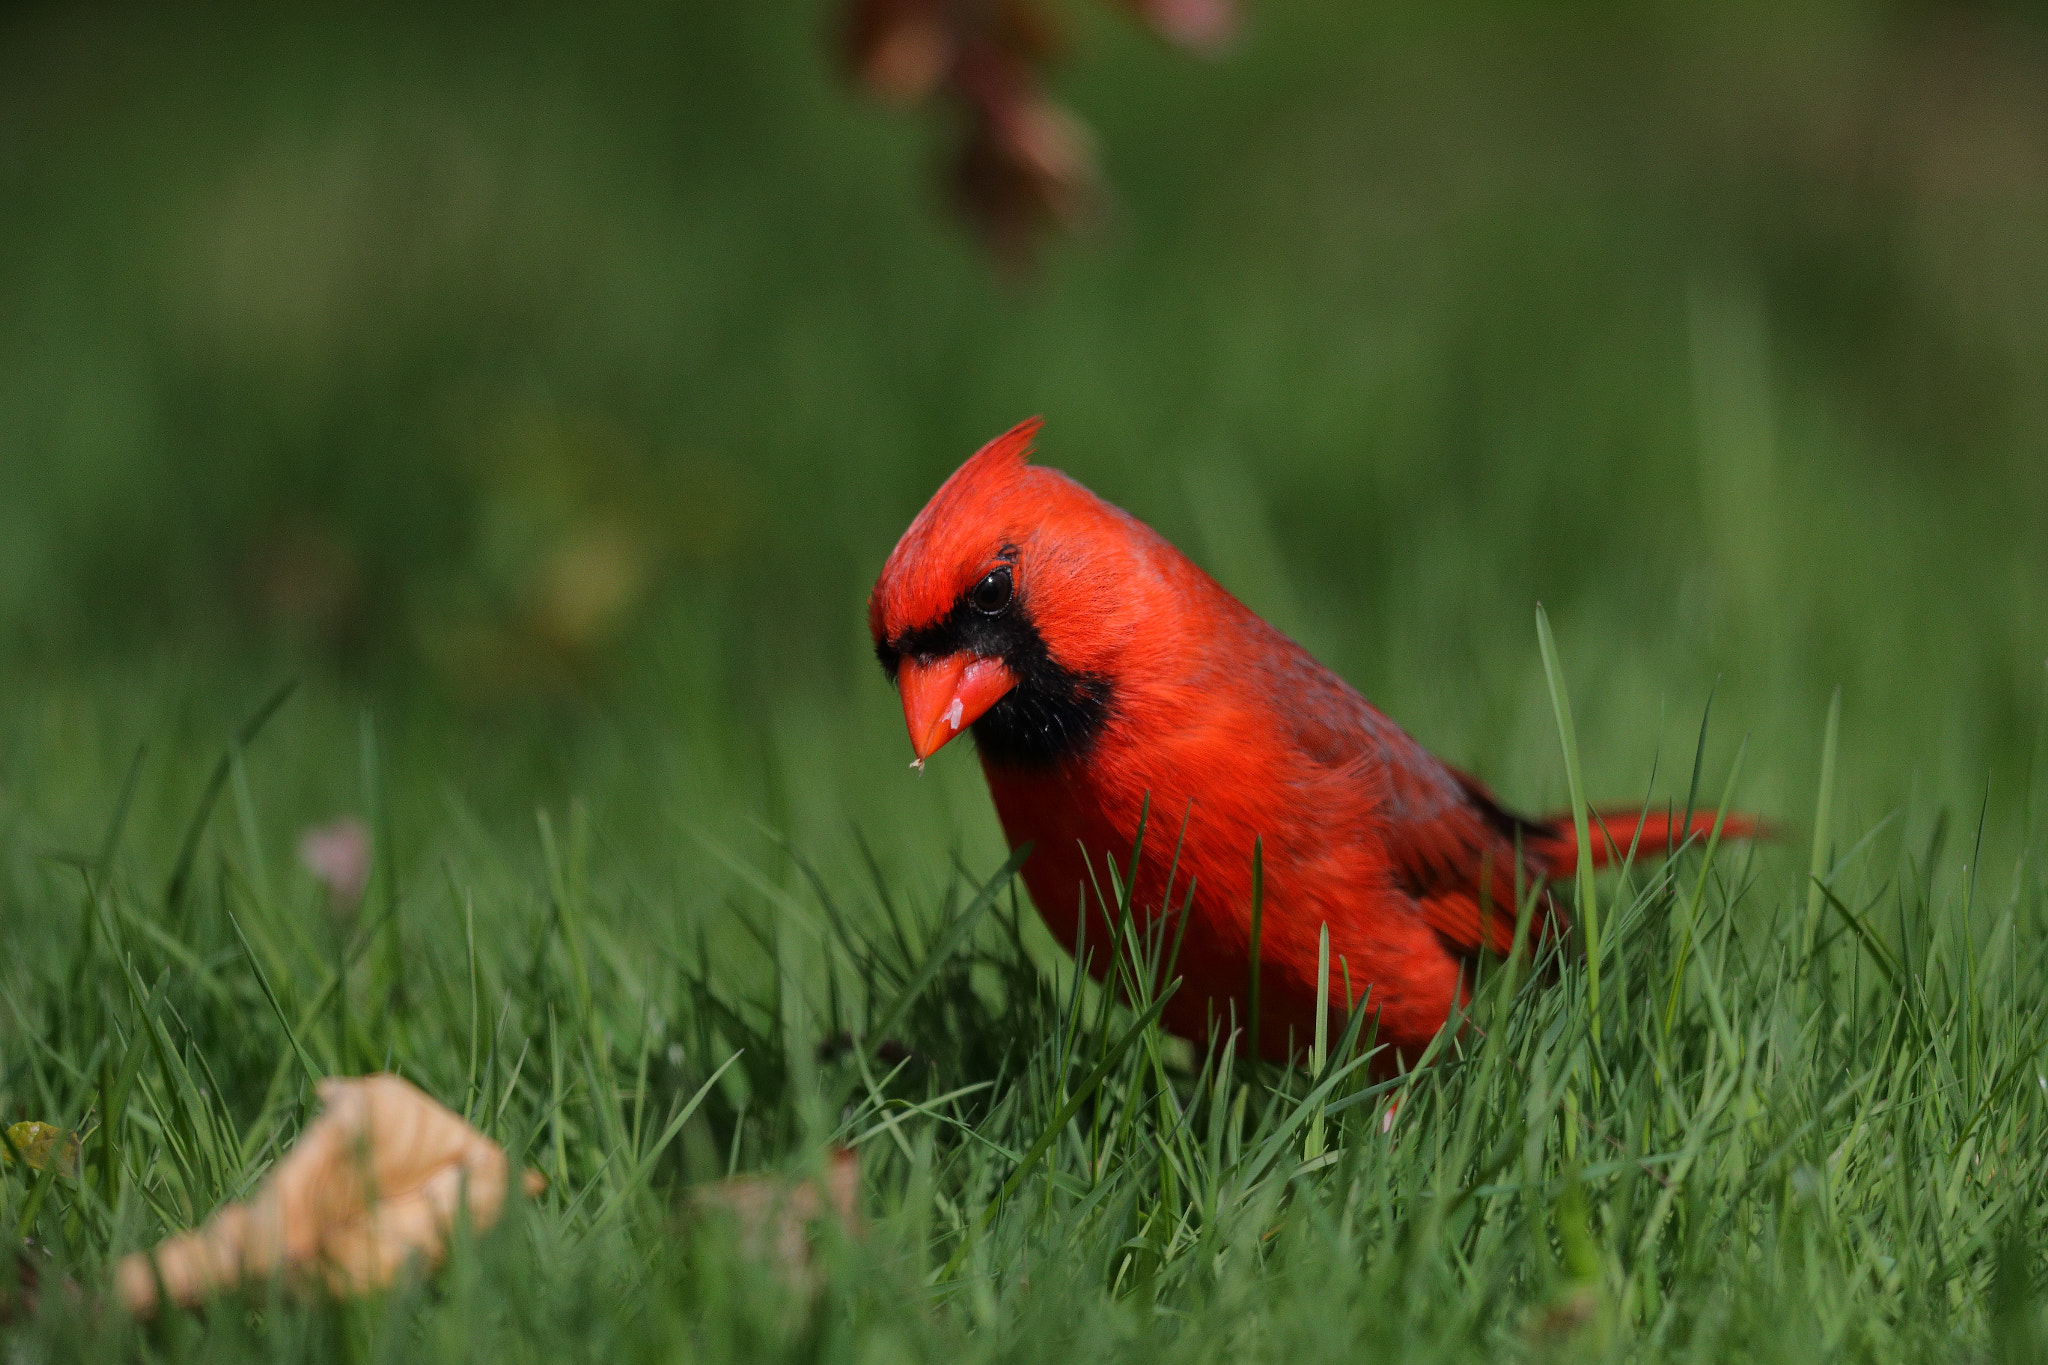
[{"x": 944, "y": 696}]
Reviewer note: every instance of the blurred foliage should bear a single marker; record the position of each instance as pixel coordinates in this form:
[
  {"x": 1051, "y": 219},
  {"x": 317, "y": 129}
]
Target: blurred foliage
[
  {"x": 558, "y": 383},
  {"x": 1025, "y": 163}
]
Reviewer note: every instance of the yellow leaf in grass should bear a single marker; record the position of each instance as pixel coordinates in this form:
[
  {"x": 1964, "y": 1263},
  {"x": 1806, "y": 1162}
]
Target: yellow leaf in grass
[{"x": 42, "y": 1145}]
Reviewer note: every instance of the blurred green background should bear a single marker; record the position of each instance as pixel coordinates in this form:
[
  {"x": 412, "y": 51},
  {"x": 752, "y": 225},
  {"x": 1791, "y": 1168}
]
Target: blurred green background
[{"x": 552, "y": 381}]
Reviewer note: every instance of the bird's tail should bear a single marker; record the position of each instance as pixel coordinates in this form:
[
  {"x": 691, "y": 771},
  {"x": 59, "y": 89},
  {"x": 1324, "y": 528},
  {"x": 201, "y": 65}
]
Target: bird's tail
[{"x": 1652, "y": 834}]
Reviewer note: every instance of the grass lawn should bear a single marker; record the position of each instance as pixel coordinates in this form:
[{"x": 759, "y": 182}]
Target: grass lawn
[{"x": 486, "y": 426}]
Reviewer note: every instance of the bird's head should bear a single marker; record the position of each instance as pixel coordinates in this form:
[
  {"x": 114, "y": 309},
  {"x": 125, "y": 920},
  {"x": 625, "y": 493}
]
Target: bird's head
[{"x": 999, "y": 609}]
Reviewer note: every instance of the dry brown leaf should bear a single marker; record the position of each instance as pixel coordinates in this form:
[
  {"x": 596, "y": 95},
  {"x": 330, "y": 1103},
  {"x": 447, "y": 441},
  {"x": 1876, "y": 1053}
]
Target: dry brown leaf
[
  {"x": 774, "y": 1217},
  {"x": 372, "y": 1183}
]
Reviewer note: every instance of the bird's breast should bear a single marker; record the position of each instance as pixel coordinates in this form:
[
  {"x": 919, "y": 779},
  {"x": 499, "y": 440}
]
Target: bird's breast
[
  {"x": 1199, "y": 828},
  {"x": 1323, "y": 864}
]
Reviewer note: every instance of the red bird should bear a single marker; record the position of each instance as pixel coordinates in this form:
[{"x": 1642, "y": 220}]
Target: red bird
[{"x": 1100, "y": 670}]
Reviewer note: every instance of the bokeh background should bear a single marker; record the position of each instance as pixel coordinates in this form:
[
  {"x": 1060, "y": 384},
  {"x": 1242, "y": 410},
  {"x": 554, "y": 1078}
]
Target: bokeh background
[{"x": 548, "y": 383}]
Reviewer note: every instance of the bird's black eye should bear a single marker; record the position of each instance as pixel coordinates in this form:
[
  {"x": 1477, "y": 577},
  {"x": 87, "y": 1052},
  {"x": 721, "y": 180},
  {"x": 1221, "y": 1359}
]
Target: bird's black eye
[{"x": 992, "y": 593}]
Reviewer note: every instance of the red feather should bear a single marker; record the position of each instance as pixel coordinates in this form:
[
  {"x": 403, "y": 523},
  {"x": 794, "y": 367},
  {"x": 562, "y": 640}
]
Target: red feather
[{"x": 1228, "y": 732}]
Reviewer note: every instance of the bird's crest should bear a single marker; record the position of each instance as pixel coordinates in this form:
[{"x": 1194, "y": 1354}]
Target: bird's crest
[
  {"x": 943, "y": 548},
  {"x": 1010, "y": 450}
]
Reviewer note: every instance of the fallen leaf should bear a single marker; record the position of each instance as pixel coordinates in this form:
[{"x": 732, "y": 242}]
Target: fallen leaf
[
  {"x": 376, "y": 1181},
  {"x": 19, "y": 1293},
  {"x": 774, "y": 1217},
  {"x": 42, "y": 1145}
]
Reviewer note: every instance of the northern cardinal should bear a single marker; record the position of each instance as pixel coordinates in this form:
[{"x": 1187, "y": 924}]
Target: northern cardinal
[{"x": 1104, "y": 674}]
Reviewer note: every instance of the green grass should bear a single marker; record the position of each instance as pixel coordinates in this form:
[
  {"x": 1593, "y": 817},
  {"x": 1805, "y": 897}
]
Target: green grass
[
  {"x": 1769, "y": 1150},
  {"x": 543, "y": 396}
]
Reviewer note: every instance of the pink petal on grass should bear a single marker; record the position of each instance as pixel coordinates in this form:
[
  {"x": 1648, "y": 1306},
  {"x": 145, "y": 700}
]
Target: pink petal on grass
[
  {"x": 1204, "y": 26},
  {"x": 338, "y": 856}
]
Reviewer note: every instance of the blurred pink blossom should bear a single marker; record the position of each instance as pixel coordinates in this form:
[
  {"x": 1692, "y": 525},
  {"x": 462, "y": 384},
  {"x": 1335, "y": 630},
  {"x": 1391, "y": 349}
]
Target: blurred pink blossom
[
  {"x": 1205, "y": 26},
  {"x": 1025, "y": 163},
  {"x": 338, "y": 855}
]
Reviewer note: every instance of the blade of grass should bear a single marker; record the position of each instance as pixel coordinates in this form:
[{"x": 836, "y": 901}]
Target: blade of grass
[
  {"x": 1319, "y": 1053},
  {"x": 1064, "y": 1115},
  {"x": 188, "y": 848},
  {"x": 1817, "y": 864},
  {"x": 954, "y": 938},
  {"x": 276, "y": 1008},
  {"x": 1258, "y": 935},
  {"x": 642, "y": 1167},
  {"x": 1589, "y": 908}
]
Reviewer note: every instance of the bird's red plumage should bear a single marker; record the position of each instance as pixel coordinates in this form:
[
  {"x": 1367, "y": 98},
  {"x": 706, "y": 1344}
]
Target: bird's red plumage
[{"x": 1219, "y": 721}]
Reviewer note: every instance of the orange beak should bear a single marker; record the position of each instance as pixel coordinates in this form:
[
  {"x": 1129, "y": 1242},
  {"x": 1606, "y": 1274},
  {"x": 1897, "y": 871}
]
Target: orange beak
[{"x": 944, "y": 697}]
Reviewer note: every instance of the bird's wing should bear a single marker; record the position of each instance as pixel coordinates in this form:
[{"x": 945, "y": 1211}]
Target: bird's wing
[
  {"x": 1454, "y": 852},
  {"x": 1448, "y": 844}
]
